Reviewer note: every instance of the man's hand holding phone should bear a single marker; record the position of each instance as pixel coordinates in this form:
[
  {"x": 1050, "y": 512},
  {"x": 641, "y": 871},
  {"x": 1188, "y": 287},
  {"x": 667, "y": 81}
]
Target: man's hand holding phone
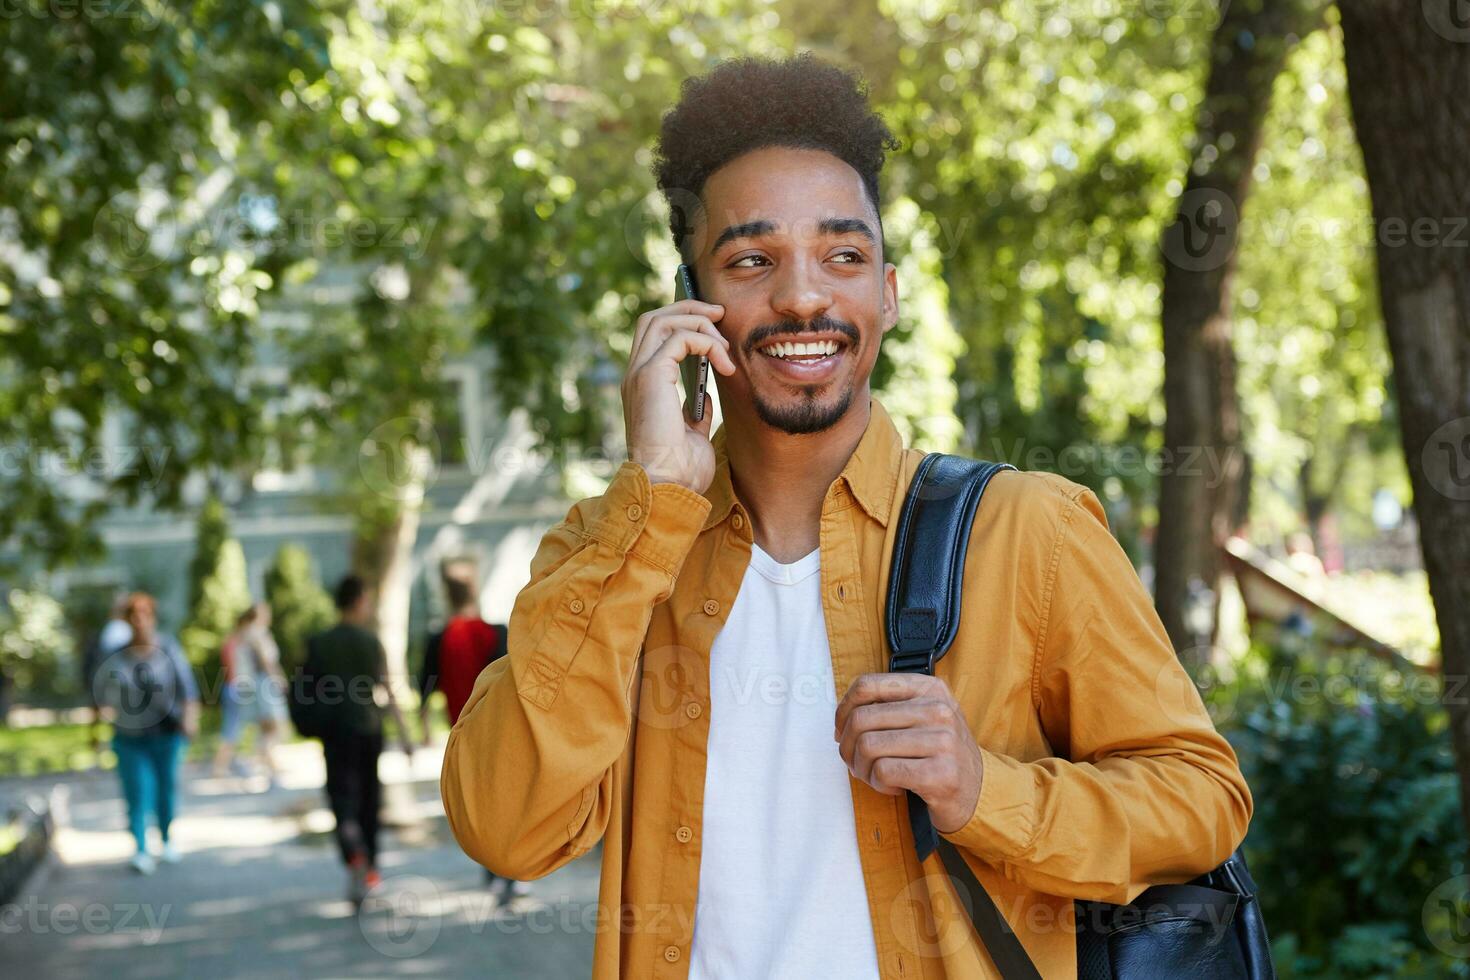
[{"x": 661, "y": 439}]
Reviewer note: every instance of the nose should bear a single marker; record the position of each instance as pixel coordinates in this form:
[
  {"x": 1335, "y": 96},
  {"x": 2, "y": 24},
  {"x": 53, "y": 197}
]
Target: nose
[{"x": 801, "y": 292}]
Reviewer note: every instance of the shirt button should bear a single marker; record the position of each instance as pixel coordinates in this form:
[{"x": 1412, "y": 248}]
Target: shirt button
[
  {"x": 684, "y": 834},
  {"x": 711, "y": 607},
  {"x": 671, "y": 953},
  {"x": 739, "y": 522},
  {"x": 634, "y": 512},
  {"x": 693, "y": 710},
  {"x": 576, "y": 605}
]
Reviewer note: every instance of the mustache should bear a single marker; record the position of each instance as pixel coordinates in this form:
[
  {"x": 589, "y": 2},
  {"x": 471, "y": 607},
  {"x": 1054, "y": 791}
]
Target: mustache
[{"x": 822, "y": 324}]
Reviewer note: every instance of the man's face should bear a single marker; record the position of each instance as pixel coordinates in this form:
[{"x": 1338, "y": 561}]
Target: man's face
[
  {"x": 789, "y": 245},
  {"x": 143, "y": 620}
]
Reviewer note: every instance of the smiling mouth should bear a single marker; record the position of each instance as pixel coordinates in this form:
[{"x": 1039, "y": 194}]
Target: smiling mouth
[{"x": 803, "y": 351}]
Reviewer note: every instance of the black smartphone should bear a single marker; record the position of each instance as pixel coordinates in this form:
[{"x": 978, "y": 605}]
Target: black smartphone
[{"x": 694, "y": 369}]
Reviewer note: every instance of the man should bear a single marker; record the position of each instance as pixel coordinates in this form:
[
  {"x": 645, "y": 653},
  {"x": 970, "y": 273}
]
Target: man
[
  {"x": 453, "y": 660},
  {"x": 696, "y": 669},
  {"x": 349, "y": 668}
]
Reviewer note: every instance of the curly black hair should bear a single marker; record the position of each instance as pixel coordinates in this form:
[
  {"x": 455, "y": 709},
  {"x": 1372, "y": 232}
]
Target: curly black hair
[{"x": 750, "y": 103}]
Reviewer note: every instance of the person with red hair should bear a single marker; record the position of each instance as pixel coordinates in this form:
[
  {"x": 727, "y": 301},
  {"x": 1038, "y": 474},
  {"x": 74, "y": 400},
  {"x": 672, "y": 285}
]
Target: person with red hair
[{"x": 148, "y": 691}]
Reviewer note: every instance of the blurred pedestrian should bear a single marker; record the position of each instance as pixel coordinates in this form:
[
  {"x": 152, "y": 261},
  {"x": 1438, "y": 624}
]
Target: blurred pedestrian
[
  {"x": 453, "y": 660},
  {"x": 349, "y": 668},
  {"x": 231, "y": 720},
  {"x": 253, "y": 692},
  {"x": 112, "y": 637},
  {"x": 149, "y": 693}
]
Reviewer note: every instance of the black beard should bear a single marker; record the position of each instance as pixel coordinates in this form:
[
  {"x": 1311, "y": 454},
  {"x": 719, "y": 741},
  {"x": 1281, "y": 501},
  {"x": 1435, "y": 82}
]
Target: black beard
[{"x": 807, "y": 417}]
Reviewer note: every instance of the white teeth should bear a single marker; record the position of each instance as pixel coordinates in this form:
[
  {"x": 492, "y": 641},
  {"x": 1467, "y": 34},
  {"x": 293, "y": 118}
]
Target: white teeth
[{"x": 821, "y": 348}]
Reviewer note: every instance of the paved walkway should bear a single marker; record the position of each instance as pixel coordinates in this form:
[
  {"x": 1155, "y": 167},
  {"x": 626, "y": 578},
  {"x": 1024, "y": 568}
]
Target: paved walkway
[{"x": 260, "y": 891}]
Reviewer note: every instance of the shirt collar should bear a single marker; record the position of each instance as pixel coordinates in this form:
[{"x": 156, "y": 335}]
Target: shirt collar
[{"x": 871, "y": 473}]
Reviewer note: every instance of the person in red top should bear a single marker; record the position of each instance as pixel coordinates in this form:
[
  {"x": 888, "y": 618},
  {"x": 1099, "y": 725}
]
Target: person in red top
[{"x": 453, "y": 660}]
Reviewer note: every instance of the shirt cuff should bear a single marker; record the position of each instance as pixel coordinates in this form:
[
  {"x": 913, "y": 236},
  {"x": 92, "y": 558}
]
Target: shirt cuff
[
  {"x": 657, "y": 522},
  {"x": 1003, "y": 825}
]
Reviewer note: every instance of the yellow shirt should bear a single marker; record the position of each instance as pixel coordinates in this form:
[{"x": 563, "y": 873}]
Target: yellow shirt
[{"x": 1102, "y": 771}]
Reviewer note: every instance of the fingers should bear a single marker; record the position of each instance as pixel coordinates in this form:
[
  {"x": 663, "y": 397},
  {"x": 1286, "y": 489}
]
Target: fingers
[
  {"x": 895, "y": 717},
  {"x": 874, "y": 688},
  {"x": 653, "y": 327},
  {"x": 903, "y": 743},
  {"x": 681, "y": 343},
  {"x": 926, "y": 777}
]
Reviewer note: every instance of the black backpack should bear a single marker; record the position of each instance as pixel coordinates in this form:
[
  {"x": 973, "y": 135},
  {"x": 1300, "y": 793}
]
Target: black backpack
[
  {"x": 1209, "y": 929},
  {"x": 310, "y": 715}
]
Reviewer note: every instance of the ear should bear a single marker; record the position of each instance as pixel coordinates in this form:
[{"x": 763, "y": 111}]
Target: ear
[{"x": 890, "y": 296}]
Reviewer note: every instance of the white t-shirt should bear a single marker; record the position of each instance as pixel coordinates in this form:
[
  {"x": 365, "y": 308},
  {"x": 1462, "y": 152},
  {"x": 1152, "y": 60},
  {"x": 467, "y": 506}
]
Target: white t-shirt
[{"x": 781, "y": 891}]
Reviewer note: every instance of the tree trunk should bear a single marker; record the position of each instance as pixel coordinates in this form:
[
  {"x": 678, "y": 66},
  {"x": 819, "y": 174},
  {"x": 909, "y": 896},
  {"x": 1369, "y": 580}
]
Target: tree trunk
[
  {"x": 1203, "y": 465},
  {"x": 1408, "y": 70},
  {"x": 388, "y": 516}
]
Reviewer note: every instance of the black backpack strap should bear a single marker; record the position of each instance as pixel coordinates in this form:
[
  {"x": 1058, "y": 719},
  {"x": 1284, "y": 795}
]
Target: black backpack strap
[{"x": 925, "y": 594}]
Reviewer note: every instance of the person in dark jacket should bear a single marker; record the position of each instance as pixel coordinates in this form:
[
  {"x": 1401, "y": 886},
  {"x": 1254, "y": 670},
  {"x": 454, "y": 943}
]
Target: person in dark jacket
[{"x": 350, "y": 669}]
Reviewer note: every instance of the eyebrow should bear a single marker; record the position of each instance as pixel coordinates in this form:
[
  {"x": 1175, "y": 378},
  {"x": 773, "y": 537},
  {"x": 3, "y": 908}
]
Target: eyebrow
[{"x": 827, "y": 226}]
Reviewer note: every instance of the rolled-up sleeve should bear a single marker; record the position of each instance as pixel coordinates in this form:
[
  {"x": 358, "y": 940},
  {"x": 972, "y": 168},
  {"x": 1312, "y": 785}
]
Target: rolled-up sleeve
[
  {"x": 527, "y": 772},
  {"x": 1144, "y": 789}
]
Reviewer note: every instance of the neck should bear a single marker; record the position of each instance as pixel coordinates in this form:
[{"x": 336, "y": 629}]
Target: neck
[
  {"x": 470, "y": 610},
  {"x": 782, "y": 479}
]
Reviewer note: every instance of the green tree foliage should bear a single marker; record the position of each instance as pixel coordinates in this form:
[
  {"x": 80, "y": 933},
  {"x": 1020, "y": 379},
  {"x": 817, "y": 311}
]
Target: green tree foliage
[
  {"x": 37, "y": 651},
  {"x": 1320, "y": 425},
  {"x": 299, "y": 604},
  {"x": 218, "y": 591},
  {"x": 122, "y": 289}
]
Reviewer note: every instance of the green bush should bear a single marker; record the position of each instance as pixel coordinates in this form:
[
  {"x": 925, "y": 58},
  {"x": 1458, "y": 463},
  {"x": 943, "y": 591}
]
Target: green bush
[
  {"x": 219, "y": 591},
  {"x": 37, "y": 651},
  {"x": 1357, "y": 815},
  {"x": 299, "y": 605}
]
